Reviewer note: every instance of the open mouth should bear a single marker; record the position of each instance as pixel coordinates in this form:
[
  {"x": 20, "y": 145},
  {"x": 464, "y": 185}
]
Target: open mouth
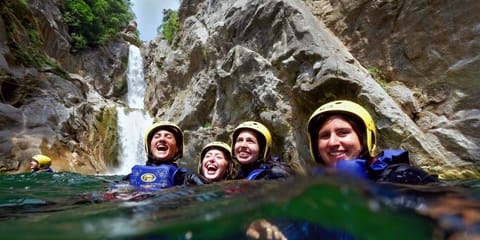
[
  {"x": 162, "y": 147},
  {"x": 211, "y": 168},
  {"x": 243, "y": 154}
]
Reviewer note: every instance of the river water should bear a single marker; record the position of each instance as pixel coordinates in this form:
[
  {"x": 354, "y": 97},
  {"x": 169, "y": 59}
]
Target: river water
[{"x": 73, "y": 206}]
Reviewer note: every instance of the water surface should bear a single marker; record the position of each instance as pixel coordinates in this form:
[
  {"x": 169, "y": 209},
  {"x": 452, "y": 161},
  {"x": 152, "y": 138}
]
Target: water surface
[{"x": 69, "y": 205}]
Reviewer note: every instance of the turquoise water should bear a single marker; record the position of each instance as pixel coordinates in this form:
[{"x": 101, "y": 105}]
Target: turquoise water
[{"x": 74, "y": 206}]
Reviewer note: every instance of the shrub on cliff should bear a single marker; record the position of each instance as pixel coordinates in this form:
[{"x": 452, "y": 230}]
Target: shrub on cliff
[
  {"x": 170, "y": 25},
  {"x": 94, "y": 22}
]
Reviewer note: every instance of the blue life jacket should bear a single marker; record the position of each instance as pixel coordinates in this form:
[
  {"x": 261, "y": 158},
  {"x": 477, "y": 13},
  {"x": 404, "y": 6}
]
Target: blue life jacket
[
  {"x": 358, "y": 167},
  {"x": 387, "y": 158},
  {"x": 50, "y": 170},
  {"x": 154, "y": 178},
  {"x": 274, "y": 168},
  {"x": 354, "y": 167},
  {"x": 253, "y": 175}
]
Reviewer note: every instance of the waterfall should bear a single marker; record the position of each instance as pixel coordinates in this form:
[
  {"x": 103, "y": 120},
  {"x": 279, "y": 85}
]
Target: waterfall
[{"x": 133, "y": 121}]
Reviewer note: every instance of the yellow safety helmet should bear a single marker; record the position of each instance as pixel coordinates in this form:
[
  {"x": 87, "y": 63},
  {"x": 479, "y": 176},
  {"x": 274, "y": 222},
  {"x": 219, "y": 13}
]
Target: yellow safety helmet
[
  {"x": 43, "y": 161},
  {"x": 258, "y": 128},
  {"x": 216, "y": 144},
  {"x": 344, "y": 107},
  {"x": 169, "y": 126}
]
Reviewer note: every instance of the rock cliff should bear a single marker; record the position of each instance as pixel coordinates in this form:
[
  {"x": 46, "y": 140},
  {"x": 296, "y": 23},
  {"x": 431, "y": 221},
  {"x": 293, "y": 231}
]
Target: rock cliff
[
  {"x": 53, "y": 102},
  {"x": 277, "y": 61},
  {"x": 412, "y": 64}
]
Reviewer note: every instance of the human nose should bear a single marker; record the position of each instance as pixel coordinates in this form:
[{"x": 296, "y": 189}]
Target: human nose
[
  {"x": 209, "y": 159},
  {"x": 162, "y": 138},
  {"x": 333, "y": 140},
  {"x": 242, "y": 143}
]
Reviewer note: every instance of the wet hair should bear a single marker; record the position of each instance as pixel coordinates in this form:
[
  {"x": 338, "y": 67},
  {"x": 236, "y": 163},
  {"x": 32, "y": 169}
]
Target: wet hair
[{"x": 262, "y": 142}]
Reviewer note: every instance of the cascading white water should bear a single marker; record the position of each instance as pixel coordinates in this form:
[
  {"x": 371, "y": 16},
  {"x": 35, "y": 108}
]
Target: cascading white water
[
  {"x": 133, "y": 121},
  {"x": 136, "y": 79}
]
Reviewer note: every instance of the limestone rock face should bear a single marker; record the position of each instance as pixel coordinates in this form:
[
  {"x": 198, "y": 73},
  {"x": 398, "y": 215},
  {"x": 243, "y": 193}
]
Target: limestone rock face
[
  {"x": 432, "y": 48},
  {"x": 53, "y": 102},
  {"x": 277, "y": 61},
  {"x": 412, "y": 64}
]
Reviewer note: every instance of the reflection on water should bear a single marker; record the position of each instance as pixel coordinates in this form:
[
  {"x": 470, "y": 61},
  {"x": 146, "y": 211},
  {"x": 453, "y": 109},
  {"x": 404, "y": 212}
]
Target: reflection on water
[{"x": 68, "y": 205}]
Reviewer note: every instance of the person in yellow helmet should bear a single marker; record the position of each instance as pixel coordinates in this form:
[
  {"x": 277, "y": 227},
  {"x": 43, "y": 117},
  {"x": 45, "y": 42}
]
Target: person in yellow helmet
[
  {"x": 251, "y": 144},
  {"x": 41, "y": 163},
  {"x": 342, "y": 136},
  {"x": 163, "y": 144},
  {"x": 215, "y": 162}
]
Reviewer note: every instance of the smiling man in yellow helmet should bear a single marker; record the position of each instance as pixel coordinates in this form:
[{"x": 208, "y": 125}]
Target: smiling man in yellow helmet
[
  {"x": 164, "y": 148},
  {"x": 41, "y": 163}
]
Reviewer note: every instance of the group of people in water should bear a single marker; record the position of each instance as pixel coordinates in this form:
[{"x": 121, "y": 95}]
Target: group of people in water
[
  {"x": 247, "y": 158},
  {"x": 342, "y": 138},
  {"x": 341, "y": 134}
]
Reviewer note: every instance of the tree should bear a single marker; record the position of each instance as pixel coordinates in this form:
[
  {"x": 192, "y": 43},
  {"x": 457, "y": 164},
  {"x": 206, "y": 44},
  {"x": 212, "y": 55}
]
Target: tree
[
  {"x": 170, "y": 25},
  {"x": 95, "y": 22}
]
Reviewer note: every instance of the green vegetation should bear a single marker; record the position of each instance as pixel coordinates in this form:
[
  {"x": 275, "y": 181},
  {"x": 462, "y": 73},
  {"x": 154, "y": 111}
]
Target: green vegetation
[
  {"x": 23, "y": 35},
  {"x": 106, "y": 134},
  {"x": 170, "y": 25},
  {"x": 95, "y": 22},
  {"x": 378, "y": 75}
]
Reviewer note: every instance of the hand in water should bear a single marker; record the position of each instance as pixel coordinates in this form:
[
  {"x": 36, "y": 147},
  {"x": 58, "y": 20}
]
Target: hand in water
[{"x": 262, "y": 229}]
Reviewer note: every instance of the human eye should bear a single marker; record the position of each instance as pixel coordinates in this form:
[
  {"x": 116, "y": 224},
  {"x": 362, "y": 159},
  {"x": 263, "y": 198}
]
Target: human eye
[
  {"x": 344, "y": 131},
  {"x": 323, "y": 135}
]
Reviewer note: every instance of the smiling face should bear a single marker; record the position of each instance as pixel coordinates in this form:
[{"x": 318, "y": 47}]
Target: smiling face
[
  {"x": 247, "y": 147},
  {"x": 163, "y": 146},
  {"x": 337, "y": 140},
  {"x": 214, "y": 165}
]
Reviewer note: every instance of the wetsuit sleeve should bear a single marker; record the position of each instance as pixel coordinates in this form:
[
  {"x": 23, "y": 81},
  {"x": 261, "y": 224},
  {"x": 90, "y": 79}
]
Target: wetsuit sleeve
[
  {"x": 195, "y": 179},
  {"x": 280, "y": 170},
  {"x": 404, "y": 173},
  {"x": 180, "y": 177},
  {"x": 393, "y": 165}
]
